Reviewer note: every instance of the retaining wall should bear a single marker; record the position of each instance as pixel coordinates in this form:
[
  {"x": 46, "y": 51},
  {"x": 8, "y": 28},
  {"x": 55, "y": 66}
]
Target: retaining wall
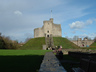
[{"x": 51, "y": 64}]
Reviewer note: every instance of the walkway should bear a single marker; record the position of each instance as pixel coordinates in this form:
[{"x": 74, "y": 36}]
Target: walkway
[{"x": 51, "y": 64}]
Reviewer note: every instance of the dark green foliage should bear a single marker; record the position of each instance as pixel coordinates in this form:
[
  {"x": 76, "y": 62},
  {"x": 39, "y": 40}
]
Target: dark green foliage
[
  {"x": 1, "y": 45},
  {"x": 21, "y": 60},
  {"x": 64, "y": 42},
  {"x": 7, "y": 43},
  {"x": 27, "y": 63},
  {"x": 34, "y": 44}
]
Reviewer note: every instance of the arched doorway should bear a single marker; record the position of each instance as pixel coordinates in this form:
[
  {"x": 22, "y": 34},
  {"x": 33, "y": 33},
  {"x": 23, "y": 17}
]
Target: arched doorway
[{"x": 47, "y": 35}]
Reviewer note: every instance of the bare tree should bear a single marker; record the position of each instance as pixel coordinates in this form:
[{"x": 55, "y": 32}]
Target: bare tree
[
  {"x": 75, "y": 38},
  {"x": 0, "y": 34},
  {"x": 94, "y": 39}
]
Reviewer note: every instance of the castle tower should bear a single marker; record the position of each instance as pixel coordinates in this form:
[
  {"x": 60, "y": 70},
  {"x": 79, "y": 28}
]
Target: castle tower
[{"x": 48, "y": 29}]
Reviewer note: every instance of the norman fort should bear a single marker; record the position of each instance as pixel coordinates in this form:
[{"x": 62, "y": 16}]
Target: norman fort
[{"x": 50, "y": 30}]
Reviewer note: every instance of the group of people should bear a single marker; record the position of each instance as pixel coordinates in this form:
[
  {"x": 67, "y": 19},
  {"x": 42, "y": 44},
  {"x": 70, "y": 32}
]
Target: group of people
[{"x": 58, "y": 51}]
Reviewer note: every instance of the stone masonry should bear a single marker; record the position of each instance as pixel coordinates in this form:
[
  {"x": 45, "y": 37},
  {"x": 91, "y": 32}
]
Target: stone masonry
[
  {"x": 49, "y": 42},
  {"x": 83, "y": 43},
  {"x": 51, "y": 64},
  {"x": 48, "y": 29}
]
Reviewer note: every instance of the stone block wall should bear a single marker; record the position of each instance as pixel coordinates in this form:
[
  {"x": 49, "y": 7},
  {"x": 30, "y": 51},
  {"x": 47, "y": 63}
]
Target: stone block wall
[
  {"x": 51, "y": 64},
  {"x": 83, "y": 43},
  {"x": 48, "y": 28}
]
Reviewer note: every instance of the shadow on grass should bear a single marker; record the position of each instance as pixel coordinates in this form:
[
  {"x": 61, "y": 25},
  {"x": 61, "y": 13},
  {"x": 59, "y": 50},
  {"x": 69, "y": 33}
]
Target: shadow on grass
[
  {"x": 69, "y": 62},
  {"x": 27, "y": 63}
]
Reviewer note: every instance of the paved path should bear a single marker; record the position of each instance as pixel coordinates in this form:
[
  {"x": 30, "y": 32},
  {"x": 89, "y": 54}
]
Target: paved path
[{"x": 51, "y": 64}]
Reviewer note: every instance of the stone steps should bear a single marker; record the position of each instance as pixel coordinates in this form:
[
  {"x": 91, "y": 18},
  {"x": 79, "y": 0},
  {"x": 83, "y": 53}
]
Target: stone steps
[{"x": 49, "y": 41}]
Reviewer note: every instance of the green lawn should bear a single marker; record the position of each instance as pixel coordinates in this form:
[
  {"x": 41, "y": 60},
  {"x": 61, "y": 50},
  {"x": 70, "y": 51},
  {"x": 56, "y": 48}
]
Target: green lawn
[
  {"x": 64, "y": 42},
  {"x": 34, "y": 44},
  {"x": 21, "y": 60}
]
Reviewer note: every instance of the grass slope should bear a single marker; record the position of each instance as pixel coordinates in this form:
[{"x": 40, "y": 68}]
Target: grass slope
[
  {"x": 64, "y": 42},
  {"x": 34, "y": 44},
  {"x": 93, "y": 46},
  {"x": 21, "y": 60}
]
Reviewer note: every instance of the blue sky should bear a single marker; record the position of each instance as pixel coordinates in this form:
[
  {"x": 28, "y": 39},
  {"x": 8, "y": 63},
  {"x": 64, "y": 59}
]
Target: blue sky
[{"x": 18, "y": 18}]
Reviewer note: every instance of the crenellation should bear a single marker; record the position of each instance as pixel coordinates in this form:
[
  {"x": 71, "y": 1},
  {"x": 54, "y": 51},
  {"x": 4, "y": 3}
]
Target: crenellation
[{"x": 48, "y": 29}]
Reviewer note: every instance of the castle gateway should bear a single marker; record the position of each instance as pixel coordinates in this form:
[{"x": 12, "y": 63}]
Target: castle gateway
[{"x": 48, "y": 29}]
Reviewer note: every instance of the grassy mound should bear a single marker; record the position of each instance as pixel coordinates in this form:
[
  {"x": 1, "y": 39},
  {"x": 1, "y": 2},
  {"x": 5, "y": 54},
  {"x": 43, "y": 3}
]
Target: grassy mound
[
  {"x": 93, "y": 46},
  {"x": 34, "y": 44},
  {"x": 64, "y": 42}
]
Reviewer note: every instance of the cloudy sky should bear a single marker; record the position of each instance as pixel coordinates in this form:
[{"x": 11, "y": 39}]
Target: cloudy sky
[{"x": 18, "y": 18}]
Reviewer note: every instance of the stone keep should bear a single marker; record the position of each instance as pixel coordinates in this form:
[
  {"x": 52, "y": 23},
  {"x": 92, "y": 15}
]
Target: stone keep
[{"x": 48, "y": 29}]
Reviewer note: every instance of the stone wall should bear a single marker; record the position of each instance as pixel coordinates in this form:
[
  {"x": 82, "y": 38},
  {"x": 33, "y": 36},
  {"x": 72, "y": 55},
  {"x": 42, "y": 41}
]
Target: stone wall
[
  {"x": 83, "y": 43},
  {"x": 51, "y": 64},
  {"x": 57, "y": 30},
  {"x": 65, "y": 51},
  {"x": 48, "y": 28},
  {"x": 38, "y": 32}
]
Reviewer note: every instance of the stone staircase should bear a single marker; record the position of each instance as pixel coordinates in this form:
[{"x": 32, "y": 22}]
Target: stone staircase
[{"x": 49, "y": 41}]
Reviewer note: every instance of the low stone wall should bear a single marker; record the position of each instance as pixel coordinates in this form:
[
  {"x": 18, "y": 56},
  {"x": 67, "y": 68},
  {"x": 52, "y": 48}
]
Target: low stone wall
[
  {"x": 51, "y": 64},
  {"x": 80, "y": 55},
  {"x": 65, "y": 51}
]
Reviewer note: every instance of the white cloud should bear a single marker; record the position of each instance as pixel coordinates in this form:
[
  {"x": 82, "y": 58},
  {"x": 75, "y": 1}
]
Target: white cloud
[
  {"x": 34, "y": 13},
  {"x": 77, "y": 25},
  {"x": 91, "y": 35},
  {"x": 80, "y": 24},
  {"x": 73, "y": 32},
  {"x": 17, "y": 12},
  {"x": 88, "y": 22}
]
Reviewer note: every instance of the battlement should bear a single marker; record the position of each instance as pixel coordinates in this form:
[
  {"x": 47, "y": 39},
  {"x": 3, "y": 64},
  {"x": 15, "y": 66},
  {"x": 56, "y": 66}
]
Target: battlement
[{"x": 47, "y": 29}]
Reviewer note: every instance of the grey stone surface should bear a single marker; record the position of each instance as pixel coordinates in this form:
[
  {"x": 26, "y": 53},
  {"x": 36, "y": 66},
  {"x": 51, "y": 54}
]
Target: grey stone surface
[
  {"x": 51, "y": 64},
  {"x": 84, "y": 42},
  {"x": 48, "y": 28},
  {"x": 44, "y": 47},
  {"x": 49, "y": 41}
]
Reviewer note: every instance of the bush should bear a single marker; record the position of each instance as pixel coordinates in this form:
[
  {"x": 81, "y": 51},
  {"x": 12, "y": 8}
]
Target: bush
[{"x": 7, "y": 43}]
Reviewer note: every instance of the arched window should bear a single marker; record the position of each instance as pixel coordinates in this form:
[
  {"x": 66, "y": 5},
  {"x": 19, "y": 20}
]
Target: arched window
[{"x": 47, "y": 31}]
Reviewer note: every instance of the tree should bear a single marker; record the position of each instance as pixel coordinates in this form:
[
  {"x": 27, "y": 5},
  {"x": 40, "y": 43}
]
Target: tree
[
  {"x": 27, "y": 39},
  {"x": 94, "y": 39},
  {"x": 0, "y": 34},
  {"x": 75, "y": 38},
  {"x": 2, "y": 44}
]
